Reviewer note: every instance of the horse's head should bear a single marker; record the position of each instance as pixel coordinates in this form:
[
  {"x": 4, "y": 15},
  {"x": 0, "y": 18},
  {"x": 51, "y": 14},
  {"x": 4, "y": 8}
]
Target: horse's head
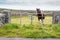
[{"x": 38, "y": 10}]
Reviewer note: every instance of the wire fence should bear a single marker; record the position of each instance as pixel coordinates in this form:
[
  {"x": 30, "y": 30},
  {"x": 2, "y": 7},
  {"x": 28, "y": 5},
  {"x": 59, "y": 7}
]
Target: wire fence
[
  {"x": 29, "y": 18},
  {"x": 24, "y": 18}
]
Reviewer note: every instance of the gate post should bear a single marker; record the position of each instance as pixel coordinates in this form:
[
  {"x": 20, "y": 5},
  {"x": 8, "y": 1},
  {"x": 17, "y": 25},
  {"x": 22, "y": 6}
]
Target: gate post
[
  {"x": 20, "y": 19},
  {"x": 2, "y": 18},
  {"x": 56, "y": 17},
  {"x": 31, "y": 18},
  {"x": 7, "y": 16}
]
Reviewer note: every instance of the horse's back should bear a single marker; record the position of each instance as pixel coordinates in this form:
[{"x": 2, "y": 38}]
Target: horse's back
[{"x": 40, "y": 16}]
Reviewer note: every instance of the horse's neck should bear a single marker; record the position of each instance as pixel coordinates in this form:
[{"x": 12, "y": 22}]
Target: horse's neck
[{"x": 38, "y": 11}]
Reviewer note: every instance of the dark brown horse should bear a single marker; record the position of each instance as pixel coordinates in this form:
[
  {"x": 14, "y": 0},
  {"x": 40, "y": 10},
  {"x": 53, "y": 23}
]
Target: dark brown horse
[{"x": 40, "y": 15}]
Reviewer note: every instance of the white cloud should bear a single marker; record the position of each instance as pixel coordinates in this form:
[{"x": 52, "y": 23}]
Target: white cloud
[
  {"x": 16, "y": 7},
  {"x": 31, "y": 4},
  {"x": 18, "y": 0},
  {"x": 2, "y": 0},
  {"x": 30, "y": 0},
  {"x": 34, "y": 2}
]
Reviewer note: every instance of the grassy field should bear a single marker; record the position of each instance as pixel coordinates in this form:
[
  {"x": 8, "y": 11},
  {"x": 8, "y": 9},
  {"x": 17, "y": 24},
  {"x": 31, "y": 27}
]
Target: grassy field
[
  {"x": 27, "y": 20},
  {"x": 16, "y": 30},
  {"x": 30, "y": 31}
]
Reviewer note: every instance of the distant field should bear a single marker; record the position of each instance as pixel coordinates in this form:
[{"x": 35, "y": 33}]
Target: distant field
[{"x": 27, "y": 20}]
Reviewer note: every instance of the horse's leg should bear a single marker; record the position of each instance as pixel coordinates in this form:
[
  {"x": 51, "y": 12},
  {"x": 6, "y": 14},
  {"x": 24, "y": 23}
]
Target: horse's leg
[
  {"x": 38, "y": 21},
  {"x": 42, "y": 21},
  {"x": 42, "y": 25}
]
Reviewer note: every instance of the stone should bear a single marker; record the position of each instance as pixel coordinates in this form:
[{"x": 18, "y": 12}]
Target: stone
[
  {"x": 56, "y": 17},
  {"x": 2, "y": 20},
  {"x": 7, "y": 16}
]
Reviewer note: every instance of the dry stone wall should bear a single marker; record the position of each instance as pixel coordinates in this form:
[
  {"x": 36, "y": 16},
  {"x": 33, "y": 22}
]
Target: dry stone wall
[{"x": 56, "y": 17}]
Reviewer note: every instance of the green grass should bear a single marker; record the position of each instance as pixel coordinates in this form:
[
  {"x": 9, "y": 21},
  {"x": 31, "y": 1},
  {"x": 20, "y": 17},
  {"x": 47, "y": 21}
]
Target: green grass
[
  {"x": 30, "y": 31},
  {"x": 15, "y": 29}
]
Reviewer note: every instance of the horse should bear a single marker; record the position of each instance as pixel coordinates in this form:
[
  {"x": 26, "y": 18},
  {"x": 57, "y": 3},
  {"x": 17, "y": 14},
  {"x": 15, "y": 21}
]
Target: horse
[{"x": 40, "y": 15}]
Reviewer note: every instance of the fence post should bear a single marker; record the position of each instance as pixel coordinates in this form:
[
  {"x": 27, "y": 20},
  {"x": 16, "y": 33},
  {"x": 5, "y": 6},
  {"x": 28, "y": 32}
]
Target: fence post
[
  {"x": 2, "y": 17},
  {"x": 56, "y": 17},
  {"x": 31, "y": 18},
  {"x": 7, "y": 16},
  {"x": 20, "y": 18}
]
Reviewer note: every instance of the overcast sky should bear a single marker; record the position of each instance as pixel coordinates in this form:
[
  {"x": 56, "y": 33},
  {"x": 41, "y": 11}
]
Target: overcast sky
[{"x": 30, "y": 4}]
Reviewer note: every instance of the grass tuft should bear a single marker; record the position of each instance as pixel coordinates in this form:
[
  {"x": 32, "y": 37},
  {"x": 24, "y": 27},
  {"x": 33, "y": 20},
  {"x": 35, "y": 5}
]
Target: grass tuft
[{"x": 30, "y": 31}]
